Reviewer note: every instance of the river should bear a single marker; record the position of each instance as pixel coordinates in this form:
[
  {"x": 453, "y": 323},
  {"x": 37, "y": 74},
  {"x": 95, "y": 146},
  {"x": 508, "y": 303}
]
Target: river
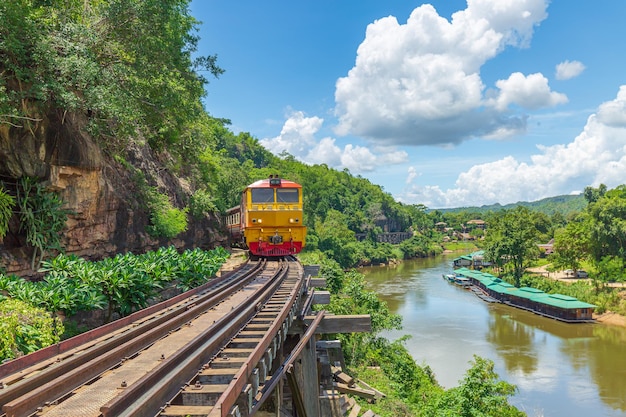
[{"x": 560, "y": 369}]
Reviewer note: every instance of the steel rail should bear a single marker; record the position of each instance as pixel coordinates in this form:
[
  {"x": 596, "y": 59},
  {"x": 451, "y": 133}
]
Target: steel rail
[
  {"x": 230, "y": 396},
  {"x": 150, "y": 393},
  {"x": 287, "y": 365},
  {"x": 26, "y": 395}
]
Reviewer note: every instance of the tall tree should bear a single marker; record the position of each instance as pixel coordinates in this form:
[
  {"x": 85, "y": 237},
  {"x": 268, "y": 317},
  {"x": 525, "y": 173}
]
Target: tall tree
[
  {"x": 571, "y": 245},
  {"x": 512, "y": 239},
  {"x": 607, "y": 222}
]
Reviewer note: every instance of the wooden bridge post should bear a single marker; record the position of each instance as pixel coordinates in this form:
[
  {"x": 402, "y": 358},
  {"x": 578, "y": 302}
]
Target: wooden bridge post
[{"x": 308, "y": 378}]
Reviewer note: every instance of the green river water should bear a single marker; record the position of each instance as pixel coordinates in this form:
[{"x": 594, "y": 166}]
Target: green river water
[{"x": 560, "y": 369}]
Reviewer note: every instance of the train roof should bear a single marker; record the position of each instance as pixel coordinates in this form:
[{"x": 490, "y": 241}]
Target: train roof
[{"x": 265, "y": 183}]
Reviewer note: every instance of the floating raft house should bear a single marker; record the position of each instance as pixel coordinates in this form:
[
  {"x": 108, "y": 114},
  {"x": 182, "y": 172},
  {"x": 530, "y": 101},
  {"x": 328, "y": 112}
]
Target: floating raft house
[{"x": 556, "y": 306}]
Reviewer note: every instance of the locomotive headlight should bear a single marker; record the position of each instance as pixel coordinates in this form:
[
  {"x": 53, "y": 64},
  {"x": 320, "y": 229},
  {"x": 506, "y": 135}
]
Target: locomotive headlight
[
  {"x": 294, "y": 220},
  {"x": 257, "y": 221}
]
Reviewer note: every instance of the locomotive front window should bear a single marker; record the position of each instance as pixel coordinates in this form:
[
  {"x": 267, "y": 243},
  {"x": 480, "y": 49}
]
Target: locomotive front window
[
  {"x": 287, "y": 195},
  {"x": 262, "y": 195}
]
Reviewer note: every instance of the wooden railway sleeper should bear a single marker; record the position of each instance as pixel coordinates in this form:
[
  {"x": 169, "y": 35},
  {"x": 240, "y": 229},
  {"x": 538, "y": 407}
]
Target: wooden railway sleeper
[{"x": 267, "y": 351}]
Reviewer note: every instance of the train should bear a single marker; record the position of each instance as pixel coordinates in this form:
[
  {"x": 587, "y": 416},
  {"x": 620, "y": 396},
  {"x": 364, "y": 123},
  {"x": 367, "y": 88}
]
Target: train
[{"x": 268, "y": 221}]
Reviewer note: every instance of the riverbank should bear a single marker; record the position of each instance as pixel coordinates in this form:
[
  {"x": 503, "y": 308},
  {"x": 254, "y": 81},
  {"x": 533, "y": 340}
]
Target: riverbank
[{"x": 609, "y": 317}]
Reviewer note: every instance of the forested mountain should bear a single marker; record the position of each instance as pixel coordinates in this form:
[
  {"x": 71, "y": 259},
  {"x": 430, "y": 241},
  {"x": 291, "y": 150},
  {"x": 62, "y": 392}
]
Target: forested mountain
[{"x": 564, "y": 204}]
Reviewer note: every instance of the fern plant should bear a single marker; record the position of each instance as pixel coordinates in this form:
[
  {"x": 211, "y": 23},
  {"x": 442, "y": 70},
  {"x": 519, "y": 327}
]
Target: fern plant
[{"x": 6, "y": 211}]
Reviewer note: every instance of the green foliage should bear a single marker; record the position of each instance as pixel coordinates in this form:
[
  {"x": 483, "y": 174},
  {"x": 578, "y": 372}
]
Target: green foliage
[
  {"x": 481, "y": 393},
  {"x": 129, "y": 281},
  {"x": 512, "y": 239},
  {"x": 126, "y": 63},
  {"x": 124, "y": 283},
  {"x": 57, "y": 292},
  {"x": 571, "y": 246},
  {"x": 25, "y": 329},
  {"x": 42, "y": 216},
  {"x": 592, "y": 194},
  {"x": 196, "y": 266},
  {"x": 165, "y": 220},
  {"x": 334, "y": 275},
  {"x": 611, "y": 269},
  {"x": 6, "y": 211},
  {"x": 419, "y": 246},
  {"x": 201, "y": 204},
  {"x": 607, "y": 224}
]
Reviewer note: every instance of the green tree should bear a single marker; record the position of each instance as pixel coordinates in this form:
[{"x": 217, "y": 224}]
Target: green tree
[
  {"x": 607, "y": 223},
  {"x": 571, "y": 246},
  {"x": 512, "y": 239},
  {"x": 480, "y": 393},
  {"x": 594, "y": 194},
  {"x": 336, "y": 239}
]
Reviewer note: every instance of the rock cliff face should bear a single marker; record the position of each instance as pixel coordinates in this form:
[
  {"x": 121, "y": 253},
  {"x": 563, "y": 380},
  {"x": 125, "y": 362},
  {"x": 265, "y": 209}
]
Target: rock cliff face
[{"x": 106, "y": 217}]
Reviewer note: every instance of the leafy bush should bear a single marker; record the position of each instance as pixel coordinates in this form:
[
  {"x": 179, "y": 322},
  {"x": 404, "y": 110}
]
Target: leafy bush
[
  {"x": 201, "y": 204},
  {"x": 42, "y": 216},
  {"x": 167, "y": 221},
  {"x": 124, "y": 283},
  {"x": 480, "y": 393},
  {"x": 25, "y": 329}
]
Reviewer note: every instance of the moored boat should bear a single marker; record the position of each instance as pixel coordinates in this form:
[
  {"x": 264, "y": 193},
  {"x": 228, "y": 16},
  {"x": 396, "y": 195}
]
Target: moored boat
[
  {"x": 462, "y": 281},
  {"x": 449, "y": 277},
  {"x": 457, "y": 279}
]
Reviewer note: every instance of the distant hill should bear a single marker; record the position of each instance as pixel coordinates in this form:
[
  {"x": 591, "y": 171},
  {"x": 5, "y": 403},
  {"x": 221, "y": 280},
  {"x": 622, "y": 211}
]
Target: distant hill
[{"x": 565, "y": 204}]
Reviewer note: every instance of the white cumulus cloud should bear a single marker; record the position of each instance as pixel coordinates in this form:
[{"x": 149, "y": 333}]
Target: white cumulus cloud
[
  {"x": 531, "y": 92},
  {"x": 597, "y": 155},
  {"x": 569, "y": 69},
  {"x": 298, "y": 138},
  {"x": 419, "y": 83}
]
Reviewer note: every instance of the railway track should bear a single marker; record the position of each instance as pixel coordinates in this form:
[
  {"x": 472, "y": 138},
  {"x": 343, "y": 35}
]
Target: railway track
[{"x": 193, "y": 358}]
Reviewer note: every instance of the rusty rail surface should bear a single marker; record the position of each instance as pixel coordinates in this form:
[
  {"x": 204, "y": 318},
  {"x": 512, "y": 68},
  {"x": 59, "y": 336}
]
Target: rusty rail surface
[{"x": 46, "y": 381}]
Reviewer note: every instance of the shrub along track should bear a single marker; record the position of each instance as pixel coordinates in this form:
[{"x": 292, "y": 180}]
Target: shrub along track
[{"x": 159, "y": 363}]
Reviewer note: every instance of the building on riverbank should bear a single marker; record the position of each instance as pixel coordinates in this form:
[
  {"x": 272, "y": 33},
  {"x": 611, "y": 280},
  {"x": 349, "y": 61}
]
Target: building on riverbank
[
  {"x": 557, "y": 306},
  {"x": 475, "y": 260}
]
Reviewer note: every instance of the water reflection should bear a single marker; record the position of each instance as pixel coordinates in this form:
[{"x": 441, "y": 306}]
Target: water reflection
[
  {"x": 514, "y": 343},
  {"x": 607, "y": 363},
  {"x": 559, "y": 368}
]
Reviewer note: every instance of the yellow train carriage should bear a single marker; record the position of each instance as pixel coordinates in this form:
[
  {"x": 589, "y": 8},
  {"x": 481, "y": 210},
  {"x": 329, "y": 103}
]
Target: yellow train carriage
[{"x": 271, "y": 218}]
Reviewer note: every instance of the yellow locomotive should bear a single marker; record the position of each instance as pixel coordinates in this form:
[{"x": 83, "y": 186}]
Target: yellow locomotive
[{"x": 268, "y": 221}]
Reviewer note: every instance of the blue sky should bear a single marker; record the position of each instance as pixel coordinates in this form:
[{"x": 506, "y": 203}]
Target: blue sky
[{"x": 445, "y": 103}]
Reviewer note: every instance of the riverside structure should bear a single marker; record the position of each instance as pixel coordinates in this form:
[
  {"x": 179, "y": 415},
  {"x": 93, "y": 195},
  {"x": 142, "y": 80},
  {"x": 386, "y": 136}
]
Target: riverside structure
[{"x": 557, "y": 306}]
